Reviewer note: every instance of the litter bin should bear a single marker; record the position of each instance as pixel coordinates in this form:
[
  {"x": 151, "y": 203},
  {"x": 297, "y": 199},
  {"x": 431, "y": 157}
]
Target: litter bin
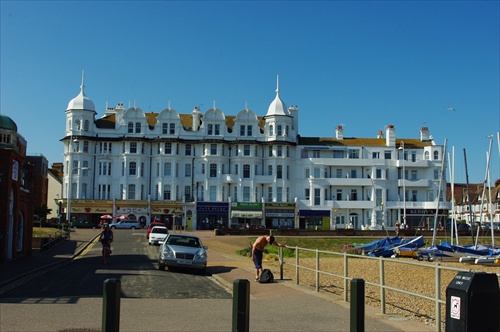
[{"x": 473, "y": 302}]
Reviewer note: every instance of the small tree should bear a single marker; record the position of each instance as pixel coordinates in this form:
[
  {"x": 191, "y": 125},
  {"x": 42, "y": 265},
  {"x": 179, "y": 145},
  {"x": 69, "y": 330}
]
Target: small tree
[{"x": 43, "y": 211}]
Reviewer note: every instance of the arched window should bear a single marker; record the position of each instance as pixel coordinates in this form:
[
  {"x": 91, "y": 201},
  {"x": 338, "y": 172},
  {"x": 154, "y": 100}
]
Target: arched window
[
  {"x": 426, "y": 155},
  {"x": 78, "y": 125},
  {"x": 271, "y": 130}
]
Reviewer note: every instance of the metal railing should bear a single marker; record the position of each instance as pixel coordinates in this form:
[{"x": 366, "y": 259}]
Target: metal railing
[
  {"x": 336, "y": 277},
  {"x": 49, "y": 242}
]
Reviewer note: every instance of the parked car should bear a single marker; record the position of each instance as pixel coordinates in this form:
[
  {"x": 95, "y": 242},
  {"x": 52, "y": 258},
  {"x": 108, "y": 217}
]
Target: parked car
[
  {"x": 158, "y": 235},
  {"x": 126, "y": 224},
  {"x": 83, "y": 224},
  {"x": 182, "y": 250},
  {"x": 153, "y": 224}
]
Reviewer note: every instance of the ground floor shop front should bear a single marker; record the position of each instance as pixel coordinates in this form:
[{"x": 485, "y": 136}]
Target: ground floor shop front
[{"x": 246, "y": 215}]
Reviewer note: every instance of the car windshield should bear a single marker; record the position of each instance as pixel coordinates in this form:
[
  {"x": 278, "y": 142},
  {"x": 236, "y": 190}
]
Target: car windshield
[
  {"x": 160, "y": 230},
  {"x": 184, "y": 241}
]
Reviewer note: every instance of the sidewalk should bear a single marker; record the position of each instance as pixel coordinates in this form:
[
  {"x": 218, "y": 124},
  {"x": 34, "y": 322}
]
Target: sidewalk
[{"x": 278, "y": 307}]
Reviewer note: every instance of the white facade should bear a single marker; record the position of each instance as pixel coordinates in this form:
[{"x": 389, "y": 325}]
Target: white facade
[{"x": 134, "y": 161}]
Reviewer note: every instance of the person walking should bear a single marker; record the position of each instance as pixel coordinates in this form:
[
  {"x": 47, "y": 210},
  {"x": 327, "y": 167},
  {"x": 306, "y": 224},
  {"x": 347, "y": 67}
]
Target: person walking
[{"x": 258, "y": 252}]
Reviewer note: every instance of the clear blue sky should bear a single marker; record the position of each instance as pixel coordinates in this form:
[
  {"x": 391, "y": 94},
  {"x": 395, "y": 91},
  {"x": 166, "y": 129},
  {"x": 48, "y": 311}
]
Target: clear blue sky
[{"x": 363, "y": 64}]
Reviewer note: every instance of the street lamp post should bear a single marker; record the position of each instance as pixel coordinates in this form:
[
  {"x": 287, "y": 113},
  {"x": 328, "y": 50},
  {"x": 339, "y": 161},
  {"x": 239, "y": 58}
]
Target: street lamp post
[
  {"x": 402, "y": 148},
  {"x": 68, "y": 190}
]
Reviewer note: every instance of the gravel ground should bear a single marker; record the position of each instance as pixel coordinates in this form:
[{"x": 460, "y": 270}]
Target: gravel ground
[{"x": 409, "y": 277}]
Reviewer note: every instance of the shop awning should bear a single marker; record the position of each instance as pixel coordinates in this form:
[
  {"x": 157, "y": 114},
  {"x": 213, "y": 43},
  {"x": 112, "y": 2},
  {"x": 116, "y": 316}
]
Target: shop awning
[{"x": 246, "y": 214}]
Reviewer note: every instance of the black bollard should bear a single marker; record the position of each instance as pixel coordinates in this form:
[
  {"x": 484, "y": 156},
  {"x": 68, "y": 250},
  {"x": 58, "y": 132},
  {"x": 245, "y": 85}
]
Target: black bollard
[
  {"x": 111, "y": 305},
  {"x": 357, "y": 305},
  {"x": 241, "y": 305}
]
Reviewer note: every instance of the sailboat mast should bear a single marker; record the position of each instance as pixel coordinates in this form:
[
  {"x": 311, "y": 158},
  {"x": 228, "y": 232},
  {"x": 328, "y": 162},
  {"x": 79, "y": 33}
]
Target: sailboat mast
[
  {"x": 441, "y": 176},
  {"x": 468, "y": 197}
]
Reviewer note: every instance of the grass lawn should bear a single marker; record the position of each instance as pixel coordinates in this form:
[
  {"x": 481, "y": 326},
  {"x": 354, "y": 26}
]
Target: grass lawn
[
  {"x": 45, "y": 231},
  {"x": 336, "y": 244}
]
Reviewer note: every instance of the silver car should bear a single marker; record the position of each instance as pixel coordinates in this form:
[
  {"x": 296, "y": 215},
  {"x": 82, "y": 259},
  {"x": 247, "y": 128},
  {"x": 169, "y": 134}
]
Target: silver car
[
  {"x": 182, "y": 250},
  {"x": 126, "y": 224}
]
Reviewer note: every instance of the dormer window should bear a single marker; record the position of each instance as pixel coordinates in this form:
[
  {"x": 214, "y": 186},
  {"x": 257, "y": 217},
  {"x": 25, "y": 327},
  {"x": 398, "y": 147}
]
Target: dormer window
[
  {"x": 271, "y": 130},
  {"x": 86, "y": 125},
  {"x": 249, "y": 131},
  {"x": 130, "y": 128},
  {"x": 137, "y": 127},
  {"x": 279, "y": 130}
]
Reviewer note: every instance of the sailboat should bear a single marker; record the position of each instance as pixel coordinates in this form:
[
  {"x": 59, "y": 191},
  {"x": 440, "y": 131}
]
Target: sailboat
[{"x": 478, "y": 254}]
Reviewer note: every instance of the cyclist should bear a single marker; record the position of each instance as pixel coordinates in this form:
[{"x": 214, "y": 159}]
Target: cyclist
[{"x": 106, "y": 237}]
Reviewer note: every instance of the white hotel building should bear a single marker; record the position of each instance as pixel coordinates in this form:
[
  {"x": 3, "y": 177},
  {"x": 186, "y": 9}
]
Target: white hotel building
[{"x": 207, "y": 170}]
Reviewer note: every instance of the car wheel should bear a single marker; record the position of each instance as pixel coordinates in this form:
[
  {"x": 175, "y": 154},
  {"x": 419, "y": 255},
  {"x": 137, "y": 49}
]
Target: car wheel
[
  {"x": 113, "y": 227},
  {"x": 161, "y": 266},
  {"x": 133, "y": 227}
]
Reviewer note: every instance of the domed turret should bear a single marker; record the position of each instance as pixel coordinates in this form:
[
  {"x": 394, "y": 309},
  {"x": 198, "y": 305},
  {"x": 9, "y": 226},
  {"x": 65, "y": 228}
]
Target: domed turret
[
  {"x": 81, "y": 102},
  {"x": 277, "y": 106},
  {"x": 7, "y": 123}
]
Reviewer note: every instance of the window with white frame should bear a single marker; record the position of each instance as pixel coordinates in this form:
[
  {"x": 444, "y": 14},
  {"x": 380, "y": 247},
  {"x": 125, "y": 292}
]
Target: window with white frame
[
  {"x": 172, "y": 129},
  {"x": 103, "y": 191},
  {"x": 246, "y": 171},
  {"x": 246, "y": 150},
  {"x": 213, "y": 170},
  {"x": 132, "y": 168},
  {"x": 133, "y": 147},
  {"x": 353, "y": 153},
  {"x": 187, "y": 149},
  {"x": 317, "y": 196},
  {"x": 131, "y": 191},
  {"x": 167, "y": 192},
  {"x": 168, "y": 148},
  {"x": 279, "y": 194},
  {"x": 213, "y": 149},
  {"x": 187, "y": 170},
  {"x": 212, "y": 193},
  {"x": 279, "y": 172},
  {"x": 137, "y": 127},
  {"x": 167, "y": 169},
  {"x": 246, "y": 194}
]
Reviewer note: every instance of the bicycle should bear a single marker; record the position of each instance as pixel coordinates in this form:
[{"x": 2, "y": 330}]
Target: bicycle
[{"x": 106, "y": 251}]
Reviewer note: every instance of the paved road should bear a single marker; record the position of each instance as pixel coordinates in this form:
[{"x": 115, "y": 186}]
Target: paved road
[
  {"x": 273, "y": 307},
  {"x": 133, "y": 262}
]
